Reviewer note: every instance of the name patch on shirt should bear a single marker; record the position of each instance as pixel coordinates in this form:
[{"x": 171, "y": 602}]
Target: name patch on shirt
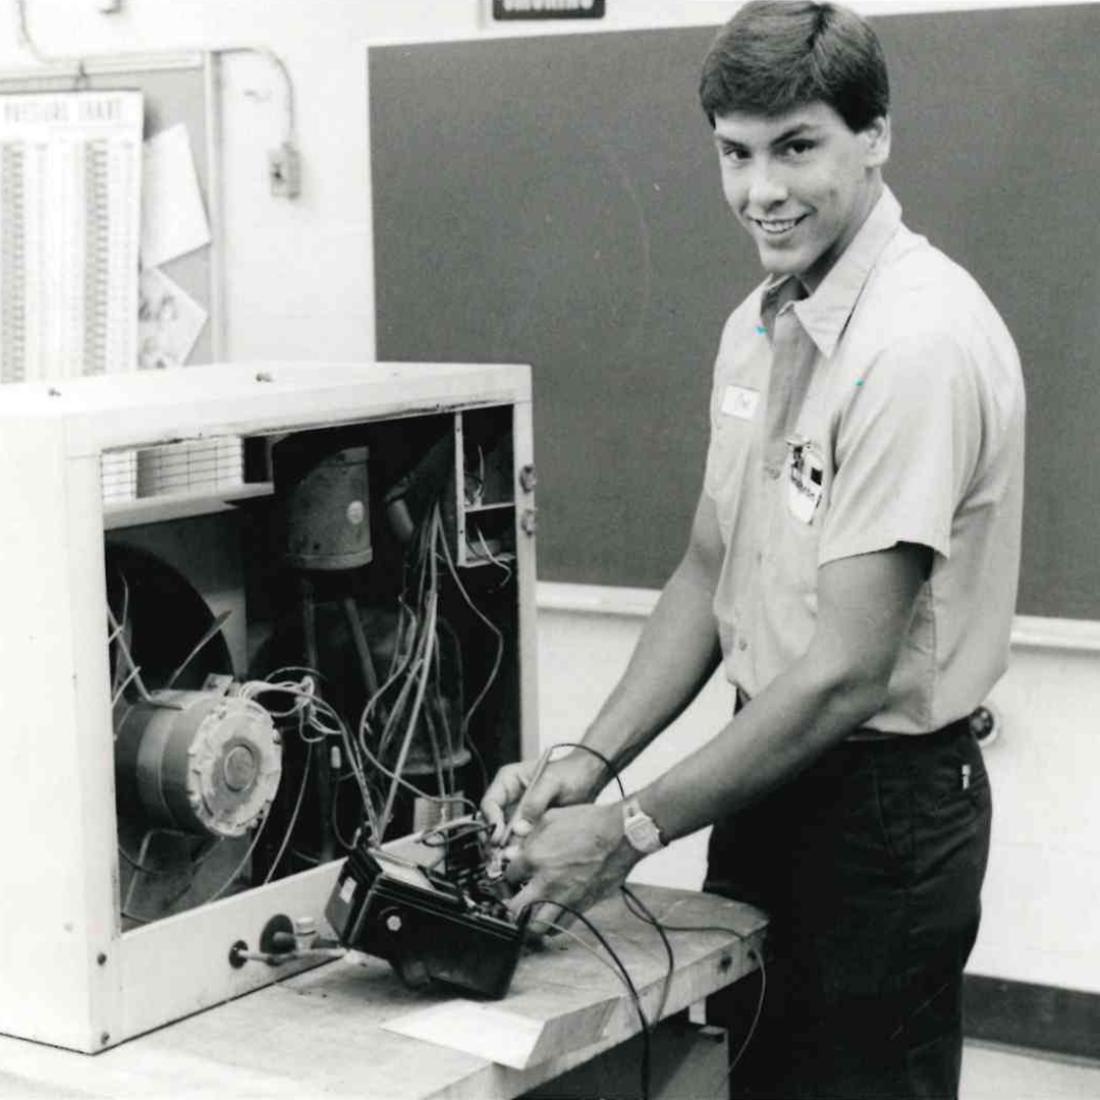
[{"x": 740, "y": 401}]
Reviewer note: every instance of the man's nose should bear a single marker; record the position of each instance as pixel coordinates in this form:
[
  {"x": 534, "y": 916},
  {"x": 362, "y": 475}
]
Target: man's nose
[{"x": 767, "y": 187}]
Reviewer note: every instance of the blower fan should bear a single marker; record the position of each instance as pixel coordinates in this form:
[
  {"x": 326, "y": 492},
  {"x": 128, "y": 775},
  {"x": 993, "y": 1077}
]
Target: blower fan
[{"x": 197, "y": 764}]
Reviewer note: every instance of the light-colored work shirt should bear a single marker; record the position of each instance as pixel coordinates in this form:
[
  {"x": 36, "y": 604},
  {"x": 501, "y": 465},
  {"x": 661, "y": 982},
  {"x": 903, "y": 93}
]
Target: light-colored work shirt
[{"x": 886, "y": 407}]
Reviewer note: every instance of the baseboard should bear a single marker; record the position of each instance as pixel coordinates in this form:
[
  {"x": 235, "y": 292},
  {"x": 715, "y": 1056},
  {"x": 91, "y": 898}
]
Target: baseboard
[{"x": 1042, "y": 1017}]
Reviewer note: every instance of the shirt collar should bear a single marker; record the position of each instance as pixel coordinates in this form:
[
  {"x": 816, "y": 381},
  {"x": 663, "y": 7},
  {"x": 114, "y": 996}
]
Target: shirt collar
[{"x": 825, "y": 312}]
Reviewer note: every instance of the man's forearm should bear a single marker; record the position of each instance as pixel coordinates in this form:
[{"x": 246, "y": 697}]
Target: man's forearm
[
  {"x": 783, "y": 730},
  {"x": 865, "y": 606},
  {"x": 675, "y": 656}
]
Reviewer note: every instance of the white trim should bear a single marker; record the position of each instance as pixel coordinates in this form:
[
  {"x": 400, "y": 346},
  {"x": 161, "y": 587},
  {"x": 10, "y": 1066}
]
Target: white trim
[
  {"x": 1036, "y": 632},
  {"x": 595, "y": 599},
  {"x": 1028, "y": 631},
  {"x": 68, "y": 68}
]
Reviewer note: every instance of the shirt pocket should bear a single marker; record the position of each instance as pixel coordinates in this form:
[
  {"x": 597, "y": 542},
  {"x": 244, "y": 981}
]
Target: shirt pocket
[
  {"x": 732, "y": 444},
  {"x": 799, "y": 501}
]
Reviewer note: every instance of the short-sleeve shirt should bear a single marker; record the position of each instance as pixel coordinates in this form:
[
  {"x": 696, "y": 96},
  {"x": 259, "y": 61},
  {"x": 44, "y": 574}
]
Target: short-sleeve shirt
[{"x": 886, "y": 407}]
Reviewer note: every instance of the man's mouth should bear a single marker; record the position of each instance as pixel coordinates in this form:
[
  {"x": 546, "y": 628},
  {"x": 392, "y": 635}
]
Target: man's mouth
[{"x": 776, "y": 227}]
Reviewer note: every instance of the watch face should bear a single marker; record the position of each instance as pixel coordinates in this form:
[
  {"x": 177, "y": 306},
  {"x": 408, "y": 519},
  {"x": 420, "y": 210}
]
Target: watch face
[{"x": 641, "y": 831}]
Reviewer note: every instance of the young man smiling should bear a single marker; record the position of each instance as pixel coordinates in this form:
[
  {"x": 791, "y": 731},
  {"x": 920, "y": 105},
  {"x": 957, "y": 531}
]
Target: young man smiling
[{"x": 852, "y": 564}]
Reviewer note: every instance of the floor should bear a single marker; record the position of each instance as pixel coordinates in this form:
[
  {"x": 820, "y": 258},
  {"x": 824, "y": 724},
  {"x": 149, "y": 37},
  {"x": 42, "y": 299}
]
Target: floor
[{"x": 993, "y": 1072}]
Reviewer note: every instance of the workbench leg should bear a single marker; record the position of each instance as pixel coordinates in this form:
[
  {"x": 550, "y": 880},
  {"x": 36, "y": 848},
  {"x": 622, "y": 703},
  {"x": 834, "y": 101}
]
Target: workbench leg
[{"x": 686, "y": 1062}]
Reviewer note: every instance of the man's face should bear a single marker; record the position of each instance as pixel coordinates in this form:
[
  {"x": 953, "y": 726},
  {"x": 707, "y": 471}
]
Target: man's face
[{"x": 801, "y": 183}]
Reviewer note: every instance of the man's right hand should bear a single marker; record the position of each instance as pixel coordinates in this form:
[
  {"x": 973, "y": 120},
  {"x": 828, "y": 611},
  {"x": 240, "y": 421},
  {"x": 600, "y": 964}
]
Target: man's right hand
[{"x": 575, "y": 778}]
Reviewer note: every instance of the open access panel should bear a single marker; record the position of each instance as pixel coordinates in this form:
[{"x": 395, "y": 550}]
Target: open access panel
[{"x": 252, "y": 614}]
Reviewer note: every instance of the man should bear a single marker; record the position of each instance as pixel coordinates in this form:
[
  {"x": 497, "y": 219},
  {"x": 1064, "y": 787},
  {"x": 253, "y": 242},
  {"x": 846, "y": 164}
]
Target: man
[{"x": 853, "y": 563}]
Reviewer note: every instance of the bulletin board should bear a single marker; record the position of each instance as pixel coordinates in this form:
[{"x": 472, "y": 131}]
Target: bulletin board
[
  {"x": 556, "y": 201},
  {"x": 175, "y": 93}
]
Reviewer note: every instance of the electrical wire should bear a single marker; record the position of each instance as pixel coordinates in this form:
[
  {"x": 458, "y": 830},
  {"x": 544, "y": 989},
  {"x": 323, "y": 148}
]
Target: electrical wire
[
  {"x": 488, "y": 554},
  {"x": 120, "y": 637},
  {"x": 123, "y": 620},
  {"x": 290, "y": 130},
  {"x": 310, "y": 708},
  {"x": 628, "y": 981},
  {"x": 753, "y": 953},
  {"x": 759, "y": 957},
  {"x": 293, "y": 815},
  {"x": 211, "y": 632},
  {"x": 465, "y": 826},
  {"x": 493, "y": 628},
  {"x": 638, "y": 908},
  {"x": 28, "y": 42},
  {"x": 565, "y": 930},
  {"x": 139, "y": 866},
  {"x": 412, "y": 788},
  {"x": 598, "y": 755},
  {"x": 244, "y": 860},
  {"x": 422, "y": 683}
]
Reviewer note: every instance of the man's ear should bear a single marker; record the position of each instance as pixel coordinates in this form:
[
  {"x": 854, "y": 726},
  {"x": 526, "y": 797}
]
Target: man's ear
[{"x": 876, "y": 137}]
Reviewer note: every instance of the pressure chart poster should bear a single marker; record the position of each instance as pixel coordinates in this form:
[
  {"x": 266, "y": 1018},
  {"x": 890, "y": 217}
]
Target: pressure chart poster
[{"x": 70, "y": 229}]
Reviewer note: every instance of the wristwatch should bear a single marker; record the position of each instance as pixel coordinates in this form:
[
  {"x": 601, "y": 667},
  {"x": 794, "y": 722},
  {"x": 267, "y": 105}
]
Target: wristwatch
[{"x": 640, "y": 829}]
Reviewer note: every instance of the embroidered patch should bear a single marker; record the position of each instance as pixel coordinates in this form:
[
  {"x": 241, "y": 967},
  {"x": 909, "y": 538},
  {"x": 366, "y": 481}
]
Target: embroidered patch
[{"x": 805, "y": 479}]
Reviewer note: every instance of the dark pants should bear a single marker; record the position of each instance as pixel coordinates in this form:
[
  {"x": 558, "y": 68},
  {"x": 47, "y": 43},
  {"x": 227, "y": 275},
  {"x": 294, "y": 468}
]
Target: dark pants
[{"x": 870, "y": 866}]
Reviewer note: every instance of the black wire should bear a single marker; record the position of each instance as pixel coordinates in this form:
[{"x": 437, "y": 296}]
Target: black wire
[
  {"x": 756, "y": 1015},
  {"x": 614, "y": 772},
  {"x": 628, "y": 981},
  {"x": 642, "y": 912},
  {"x": 741, "y": 938}
]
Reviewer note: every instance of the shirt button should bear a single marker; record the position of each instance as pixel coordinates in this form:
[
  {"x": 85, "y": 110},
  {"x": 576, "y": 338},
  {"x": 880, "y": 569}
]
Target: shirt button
[{"x": 742, "y": 645}]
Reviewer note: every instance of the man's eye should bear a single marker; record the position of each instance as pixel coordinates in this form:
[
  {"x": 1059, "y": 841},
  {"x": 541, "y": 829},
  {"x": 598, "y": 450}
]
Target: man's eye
[
  {"x": 798, "y": 148},
  {"x": 734, "y": 153}
]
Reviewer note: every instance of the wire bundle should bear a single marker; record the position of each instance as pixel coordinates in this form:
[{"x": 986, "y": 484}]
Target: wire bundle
[{"x": 411, "y": 698}]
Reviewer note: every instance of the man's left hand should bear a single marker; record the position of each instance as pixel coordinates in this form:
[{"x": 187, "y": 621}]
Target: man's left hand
[{"x": 574, "y": 856}]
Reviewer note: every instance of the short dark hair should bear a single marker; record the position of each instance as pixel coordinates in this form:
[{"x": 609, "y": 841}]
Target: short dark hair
[{"x": 776, "y": 55}]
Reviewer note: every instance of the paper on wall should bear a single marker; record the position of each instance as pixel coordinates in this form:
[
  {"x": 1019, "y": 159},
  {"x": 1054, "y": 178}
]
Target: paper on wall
[
  {"x": 173, "y": 219},
  {"x": 169, "y": 321}
]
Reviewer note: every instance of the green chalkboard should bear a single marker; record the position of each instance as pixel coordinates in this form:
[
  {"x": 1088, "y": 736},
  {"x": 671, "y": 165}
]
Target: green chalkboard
[{"x": 556, "y": 201}]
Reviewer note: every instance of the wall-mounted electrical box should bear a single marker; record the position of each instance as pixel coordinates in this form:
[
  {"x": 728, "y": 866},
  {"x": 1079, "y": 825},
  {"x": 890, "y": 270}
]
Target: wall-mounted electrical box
[{"x": 250, "y": 612}]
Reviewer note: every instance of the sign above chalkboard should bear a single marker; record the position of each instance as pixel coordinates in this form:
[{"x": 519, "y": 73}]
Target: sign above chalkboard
[{"x": 548, "y": 9}]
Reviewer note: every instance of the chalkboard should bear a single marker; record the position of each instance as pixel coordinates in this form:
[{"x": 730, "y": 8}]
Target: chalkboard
[
  {"x": 556, "y": 201},
  {"x": 171, "y": 95}
]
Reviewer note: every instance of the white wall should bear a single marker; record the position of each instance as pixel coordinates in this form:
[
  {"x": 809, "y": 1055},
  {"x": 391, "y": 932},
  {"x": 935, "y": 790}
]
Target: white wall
[
  {"x": 298, "y": 275},
  {"x": 299, "y": 286}
]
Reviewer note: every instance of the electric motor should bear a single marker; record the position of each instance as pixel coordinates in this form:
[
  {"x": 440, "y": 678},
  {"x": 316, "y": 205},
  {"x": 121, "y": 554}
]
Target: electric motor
[{"x": 197, "y": 761}]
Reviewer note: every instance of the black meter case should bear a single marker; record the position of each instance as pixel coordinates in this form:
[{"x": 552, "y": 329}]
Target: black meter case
[{"x": 426, "y": 927}]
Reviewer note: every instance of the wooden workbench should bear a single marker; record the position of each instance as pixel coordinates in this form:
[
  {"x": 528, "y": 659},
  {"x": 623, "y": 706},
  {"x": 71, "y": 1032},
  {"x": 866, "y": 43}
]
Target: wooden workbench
[{"x": 324, "y": 1032}]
